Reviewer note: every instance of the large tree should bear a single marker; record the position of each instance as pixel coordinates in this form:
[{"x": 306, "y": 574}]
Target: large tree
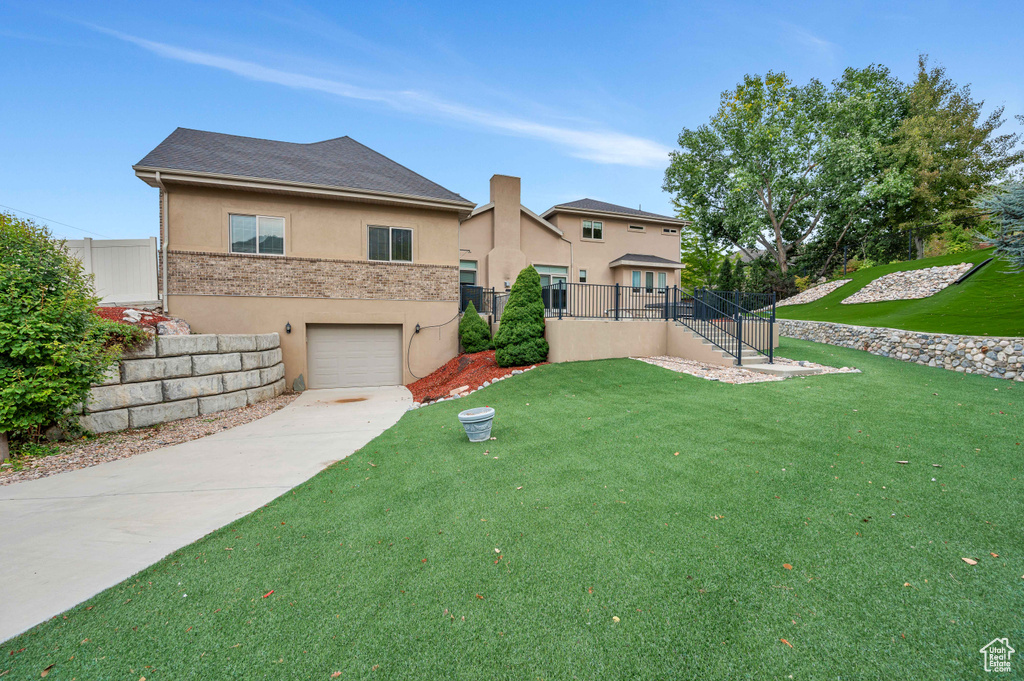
[
  {"x": 952, "y": 152},
  {"x": 1005, "y": 207},
  {"x": 779, "y": 161}
]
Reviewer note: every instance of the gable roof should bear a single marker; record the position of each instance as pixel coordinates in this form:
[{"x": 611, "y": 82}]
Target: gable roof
[
  {"x": 340, "y": 163},
  {"x": 640, "y": 260},
  {"x": 544, "y": 223},
  {"x": 594, "y": 206}
]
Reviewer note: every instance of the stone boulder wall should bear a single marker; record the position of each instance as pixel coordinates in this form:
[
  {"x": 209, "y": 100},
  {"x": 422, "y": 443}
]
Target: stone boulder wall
[
  {"x": 176, "y": 377},
  {"x": 985, "y": 355}
]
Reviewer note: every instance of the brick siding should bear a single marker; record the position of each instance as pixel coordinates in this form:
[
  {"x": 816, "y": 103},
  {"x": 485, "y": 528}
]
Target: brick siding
[{"x": 241, "y": 274}]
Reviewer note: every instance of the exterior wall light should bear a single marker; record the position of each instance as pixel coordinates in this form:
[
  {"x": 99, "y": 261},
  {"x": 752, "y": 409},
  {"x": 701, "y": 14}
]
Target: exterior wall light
[{"x": 288, "y": 327}]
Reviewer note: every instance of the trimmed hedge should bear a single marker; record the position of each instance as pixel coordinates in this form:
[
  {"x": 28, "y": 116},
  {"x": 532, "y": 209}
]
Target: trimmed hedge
[
  {"x": 520, "y": 338},
  {"x": 473, "y": 332}
]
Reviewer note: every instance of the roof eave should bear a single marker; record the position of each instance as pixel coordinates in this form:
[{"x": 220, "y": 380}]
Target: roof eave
[
  {"x": 640, "y": 263},
  {"x": 662, "y": 220},
  {"x": 148, "y": 175}
]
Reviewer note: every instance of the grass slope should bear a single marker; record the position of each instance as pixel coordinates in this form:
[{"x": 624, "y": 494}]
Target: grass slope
[
  {"x": 384, "y": 566},
  {"x": 990, "y": 303}
]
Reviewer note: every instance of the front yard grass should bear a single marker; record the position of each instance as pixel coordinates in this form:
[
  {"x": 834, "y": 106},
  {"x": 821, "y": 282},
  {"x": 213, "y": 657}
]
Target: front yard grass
[{"x": 388, "y": 565}]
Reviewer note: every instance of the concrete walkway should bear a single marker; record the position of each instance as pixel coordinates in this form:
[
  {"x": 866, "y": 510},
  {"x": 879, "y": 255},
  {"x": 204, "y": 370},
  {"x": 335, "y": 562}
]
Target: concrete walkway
[{"x": 69, "y": 536}]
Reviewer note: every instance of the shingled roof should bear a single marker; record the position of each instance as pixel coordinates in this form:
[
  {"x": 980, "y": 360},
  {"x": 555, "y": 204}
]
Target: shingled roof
[
  {"x": 643, "y": 259},
  {"x": 603, "y": 207},
  {"x": 340, "y": 163}
]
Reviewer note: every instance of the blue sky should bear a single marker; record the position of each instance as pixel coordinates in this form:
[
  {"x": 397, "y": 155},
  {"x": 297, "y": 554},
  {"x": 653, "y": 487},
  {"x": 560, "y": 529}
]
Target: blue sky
[{"x": 578, "y": 99}]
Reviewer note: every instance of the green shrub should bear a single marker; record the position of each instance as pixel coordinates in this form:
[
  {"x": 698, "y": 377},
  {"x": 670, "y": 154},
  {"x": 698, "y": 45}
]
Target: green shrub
[
  {"x": 473, "y": 332},
  {"x": 520, "y": 338},
  {"x": 802, "y": 283},
  {"x": 51, "y": 344}
]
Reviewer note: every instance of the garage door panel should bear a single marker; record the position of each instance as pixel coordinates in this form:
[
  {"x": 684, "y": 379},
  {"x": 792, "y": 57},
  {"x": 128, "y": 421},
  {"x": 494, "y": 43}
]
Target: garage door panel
[{"x": 353, "y": 355}]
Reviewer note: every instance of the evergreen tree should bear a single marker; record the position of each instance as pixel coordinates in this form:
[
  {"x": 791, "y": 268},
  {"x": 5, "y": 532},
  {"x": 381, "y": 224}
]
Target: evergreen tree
[
  {"x": 724, "y": 280},
  {"x": 520, "y": 338},
  {"x": 473, "y": 332},
  {"x": 1005, "y": 207}
]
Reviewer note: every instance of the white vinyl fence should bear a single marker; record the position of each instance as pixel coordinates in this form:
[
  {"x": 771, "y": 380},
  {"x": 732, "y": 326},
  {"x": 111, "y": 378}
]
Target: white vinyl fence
[{"x": 125, "y": 270}]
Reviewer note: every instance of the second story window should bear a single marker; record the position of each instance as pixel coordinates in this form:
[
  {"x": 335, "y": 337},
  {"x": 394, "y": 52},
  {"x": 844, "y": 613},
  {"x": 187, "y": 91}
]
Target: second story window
[
  {"x": 592, "y": 229},
  {"x": 389, "y": 244},
  {"x": 636, "y": 228},
  {"x": 257, "y": 234}
]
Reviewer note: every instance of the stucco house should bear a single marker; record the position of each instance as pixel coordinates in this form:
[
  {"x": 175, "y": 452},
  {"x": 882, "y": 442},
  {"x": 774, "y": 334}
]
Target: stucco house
[
  {"x": 357, "y": 261},
  {"x": 584, "y": 241},
  {"x": 341, "y": 250}
]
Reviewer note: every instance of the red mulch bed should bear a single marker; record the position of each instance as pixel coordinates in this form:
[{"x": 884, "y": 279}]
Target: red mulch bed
[
  {"x": 116, "y": 314},
  {"x": 472, "y": 370}
]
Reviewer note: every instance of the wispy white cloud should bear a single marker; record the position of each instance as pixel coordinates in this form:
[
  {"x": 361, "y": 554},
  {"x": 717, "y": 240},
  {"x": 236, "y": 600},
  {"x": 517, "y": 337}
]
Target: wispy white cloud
[
  {"x": 600, "y": 146},
  {"x": 804, "y": 37}
]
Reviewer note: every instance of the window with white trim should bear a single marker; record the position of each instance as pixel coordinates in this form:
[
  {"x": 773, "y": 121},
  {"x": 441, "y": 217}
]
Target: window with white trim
[
  {"x": 583, "y": 276},
  {"x": 592, "y": 229},
  {"x": 649, "y": 280},
  {"x": 636, "y": 280},
  {"x": 389, "y": 244},
  {"x": 467, "y": 272},
  {"x": 662, "y": 280},
  {"x": 636, "y": 228},
  {"x": 260, "y": 234},
  {"x": 669, "y": 230}
]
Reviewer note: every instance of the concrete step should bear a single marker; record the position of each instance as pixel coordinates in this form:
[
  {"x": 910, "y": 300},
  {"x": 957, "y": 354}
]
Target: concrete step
[{"x": 786, "y": 371}]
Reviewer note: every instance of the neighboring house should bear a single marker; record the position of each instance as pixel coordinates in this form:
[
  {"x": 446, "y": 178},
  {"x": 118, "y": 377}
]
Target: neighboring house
[
  {"x": 341, "y": 250},
  {"x": 584, "y": 241}
]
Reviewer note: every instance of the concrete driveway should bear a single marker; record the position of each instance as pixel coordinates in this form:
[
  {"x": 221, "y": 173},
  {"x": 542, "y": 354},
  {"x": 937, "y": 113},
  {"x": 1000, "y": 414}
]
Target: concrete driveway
[{"x": 69, "y": 536}]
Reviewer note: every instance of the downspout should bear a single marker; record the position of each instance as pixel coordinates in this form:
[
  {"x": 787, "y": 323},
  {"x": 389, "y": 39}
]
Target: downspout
[
  {"x": 571, "y": 267},
  {"x": 164, "y": 219}
]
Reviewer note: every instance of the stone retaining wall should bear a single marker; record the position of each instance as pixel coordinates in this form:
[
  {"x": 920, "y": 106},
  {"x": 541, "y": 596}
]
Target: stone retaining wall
[
  {"x": 176, "y": 377},
  {"x": 986, "y": 355}
]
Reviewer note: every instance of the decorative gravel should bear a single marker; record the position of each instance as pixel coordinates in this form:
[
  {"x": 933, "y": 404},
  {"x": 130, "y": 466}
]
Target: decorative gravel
[
  {"x": 123, "y": 444},
  {"x": 723, "y": 374},
  {"x": 909, "y": 284},
  {"x": 812, "y": 294}
]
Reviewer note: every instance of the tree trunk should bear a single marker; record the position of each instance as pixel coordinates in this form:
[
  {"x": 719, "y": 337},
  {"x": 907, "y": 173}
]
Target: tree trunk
[
  {"x": 919, "y": 246},
  {"x": 5, "y": 449}
]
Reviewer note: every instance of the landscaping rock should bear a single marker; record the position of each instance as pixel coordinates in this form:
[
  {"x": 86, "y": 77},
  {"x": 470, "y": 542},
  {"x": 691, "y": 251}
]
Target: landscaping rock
[
  {"x": 812, "y": 294},
  {"x": 105, "y": 421},
  {"x": 110, "y": 397},
  {"x": 241, "y": 380},
  {"x": 267, "y": 341},
  {"x": 236, "y": 342},
  {"x": 971, "y": 355},
  {"x": 259, "y": 394},
  {"x": 216, "y": 364},
  {"x": 143, "y": 352},
  {"x": 173, "y": 327},
  {"x": 261, "y": 360},
  {"x": 215, "y": 403},
  {"x": 909, "y": 284},
  {"x": 140, "y": 417},
  {"x": 169, "y": 346},
  {"x": 299, "y": 384},
  {"x": 112, "y": 376},
  {"x": 136, "y": 370},
  {"x": 197, "y": 386},
  {"x": 271, "y": 375}
]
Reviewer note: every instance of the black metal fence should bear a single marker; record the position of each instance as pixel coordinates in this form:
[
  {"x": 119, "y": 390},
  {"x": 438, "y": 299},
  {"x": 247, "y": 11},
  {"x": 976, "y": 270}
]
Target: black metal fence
[
  {"x": 731, "y": 320},
  {"x": 482, "y": 298}
]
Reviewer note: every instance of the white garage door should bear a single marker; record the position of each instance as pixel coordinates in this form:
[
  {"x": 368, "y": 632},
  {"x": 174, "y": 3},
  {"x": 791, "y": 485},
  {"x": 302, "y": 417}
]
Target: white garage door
[{"x": 353, "y": 355}]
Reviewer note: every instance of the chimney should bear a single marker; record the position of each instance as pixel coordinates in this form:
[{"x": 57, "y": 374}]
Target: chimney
[{"x": 505, "y": 195}]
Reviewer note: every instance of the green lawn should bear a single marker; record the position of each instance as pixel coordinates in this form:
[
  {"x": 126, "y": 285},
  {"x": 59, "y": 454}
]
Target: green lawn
[
  {"x": 989, "y": 303},
  {"x": 385, "y": 566}
]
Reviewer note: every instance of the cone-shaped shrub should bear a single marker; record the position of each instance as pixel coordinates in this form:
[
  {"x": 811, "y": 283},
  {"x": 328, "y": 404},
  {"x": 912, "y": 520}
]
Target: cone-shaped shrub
[
  {"x": 520, "y": 338},
  {"x": 473, "y": 332}
]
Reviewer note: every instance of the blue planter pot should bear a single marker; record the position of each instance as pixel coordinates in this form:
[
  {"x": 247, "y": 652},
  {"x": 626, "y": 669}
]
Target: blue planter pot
[{"x": 477, "y": 423}]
